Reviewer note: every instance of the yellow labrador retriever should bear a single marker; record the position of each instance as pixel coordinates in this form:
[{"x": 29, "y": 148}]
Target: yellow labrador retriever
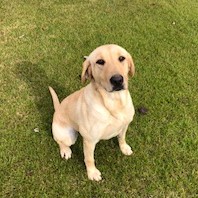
[{"x": 101, "y": 110}]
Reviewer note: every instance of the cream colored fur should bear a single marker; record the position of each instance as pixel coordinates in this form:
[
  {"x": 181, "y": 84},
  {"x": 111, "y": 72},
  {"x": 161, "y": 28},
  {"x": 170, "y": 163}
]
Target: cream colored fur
[{"x": 97, "y": 111}]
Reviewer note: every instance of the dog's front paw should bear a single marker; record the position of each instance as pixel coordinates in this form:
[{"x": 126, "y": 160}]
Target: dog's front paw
[
  {"x": 94, "y": 174},
  {"x": 126, "y": 149},
  {"x": 66, "y": 153}
]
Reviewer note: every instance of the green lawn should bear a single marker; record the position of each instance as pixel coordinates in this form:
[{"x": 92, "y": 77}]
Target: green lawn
[{"x": 42, "y": 43}]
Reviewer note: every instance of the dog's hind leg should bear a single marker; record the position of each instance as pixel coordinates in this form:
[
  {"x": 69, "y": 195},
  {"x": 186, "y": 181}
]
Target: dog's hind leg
[{"x": 65, "y": 137}]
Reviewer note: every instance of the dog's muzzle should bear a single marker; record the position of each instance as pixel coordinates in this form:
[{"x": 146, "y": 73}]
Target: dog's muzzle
[{"x": 118, "y": 82}]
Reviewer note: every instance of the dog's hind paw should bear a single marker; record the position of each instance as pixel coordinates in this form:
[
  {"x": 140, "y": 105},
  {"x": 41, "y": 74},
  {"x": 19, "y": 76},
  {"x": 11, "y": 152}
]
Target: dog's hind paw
[{"x": 66, "y": 153}]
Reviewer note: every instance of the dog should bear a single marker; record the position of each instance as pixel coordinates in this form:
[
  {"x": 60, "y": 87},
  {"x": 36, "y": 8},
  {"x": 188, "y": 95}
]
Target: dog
[{"x": 99, "y": 111}]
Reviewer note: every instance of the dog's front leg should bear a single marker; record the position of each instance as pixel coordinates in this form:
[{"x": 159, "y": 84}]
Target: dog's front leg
[
  {"x": 124, "y": 147},
  {"x": 92, "y": 171}
]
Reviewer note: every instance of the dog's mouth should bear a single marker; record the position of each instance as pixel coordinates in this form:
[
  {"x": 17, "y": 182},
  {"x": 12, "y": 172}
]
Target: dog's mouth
[
  {"x": 115, "y": 89},
  {"x": 118, "y": 88}
]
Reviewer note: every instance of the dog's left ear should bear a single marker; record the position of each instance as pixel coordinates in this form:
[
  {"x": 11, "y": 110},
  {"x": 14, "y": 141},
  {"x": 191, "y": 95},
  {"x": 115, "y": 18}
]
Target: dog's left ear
[
  {"x": 131, "y": 65},
  {"x": 86, "y": 71}
]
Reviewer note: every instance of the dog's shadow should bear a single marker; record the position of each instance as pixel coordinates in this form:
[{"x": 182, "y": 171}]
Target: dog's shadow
[{"x": 37, "y": 82}]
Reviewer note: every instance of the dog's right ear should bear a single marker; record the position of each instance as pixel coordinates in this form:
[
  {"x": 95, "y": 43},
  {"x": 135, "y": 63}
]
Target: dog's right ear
[{"x": 86, "y": 71}]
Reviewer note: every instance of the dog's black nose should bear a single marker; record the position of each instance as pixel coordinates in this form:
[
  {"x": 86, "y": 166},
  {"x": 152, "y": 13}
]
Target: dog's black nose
[{"x": 116, "y": 80}]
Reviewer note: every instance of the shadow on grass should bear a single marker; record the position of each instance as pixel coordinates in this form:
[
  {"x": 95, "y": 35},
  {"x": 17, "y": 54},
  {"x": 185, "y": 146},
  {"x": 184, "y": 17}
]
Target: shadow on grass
[{"x": 37, "y": 80}]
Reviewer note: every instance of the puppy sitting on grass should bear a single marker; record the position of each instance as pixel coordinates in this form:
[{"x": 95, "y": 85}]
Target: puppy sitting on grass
[{"x": 101, "y": 110}]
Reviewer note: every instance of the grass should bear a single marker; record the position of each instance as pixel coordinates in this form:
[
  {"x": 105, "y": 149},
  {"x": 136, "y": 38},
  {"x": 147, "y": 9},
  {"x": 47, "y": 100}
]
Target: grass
[{"x": 42, "y": 43}]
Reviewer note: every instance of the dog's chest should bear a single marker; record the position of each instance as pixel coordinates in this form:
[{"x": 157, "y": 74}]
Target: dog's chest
[{"x": 118, "y": 122}]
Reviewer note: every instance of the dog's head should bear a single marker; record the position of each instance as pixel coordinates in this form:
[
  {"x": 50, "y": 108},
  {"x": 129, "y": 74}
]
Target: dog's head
[{"x": 109, "y": 67}]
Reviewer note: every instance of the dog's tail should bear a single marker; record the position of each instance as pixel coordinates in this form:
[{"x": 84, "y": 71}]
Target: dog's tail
[{"x": 54, "y": 98}]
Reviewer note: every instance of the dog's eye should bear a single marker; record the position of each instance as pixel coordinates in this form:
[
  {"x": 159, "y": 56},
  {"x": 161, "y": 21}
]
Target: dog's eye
[
  {"x": 100, "y": 62},
  {"x": 121, "y": 58}
]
